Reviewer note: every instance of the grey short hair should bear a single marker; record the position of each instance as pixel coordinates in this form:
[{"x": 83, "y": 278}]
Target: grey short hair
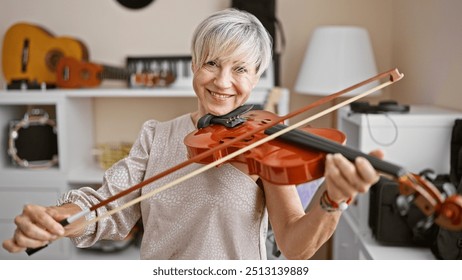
[{"x": 232, "y": 32}]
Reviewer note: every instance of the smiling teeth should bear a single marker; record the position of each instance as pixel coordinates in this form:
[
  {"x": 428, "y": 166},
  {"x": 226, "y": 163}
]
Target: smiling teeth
[{"x": 220, "y": 96}]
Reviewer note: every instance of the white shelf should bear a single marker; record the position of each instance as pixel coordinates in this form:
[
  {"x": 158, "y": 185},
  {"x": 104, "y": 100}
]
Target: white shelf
[
  {"x": 124, "y": 92},
  {"x": 15, "y": 176},
  {"x": 18, "y": 96},
  {"x": 86, "y": 174},
  {"x": 52, "y": 95},
  {"x": 418, "y": 116}
]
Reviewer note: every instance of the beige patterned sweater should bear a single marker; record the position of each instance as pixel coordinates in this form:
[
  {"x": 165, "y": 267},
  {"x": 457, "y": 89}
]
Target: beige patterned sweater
[{"x": 219, "y": 214}]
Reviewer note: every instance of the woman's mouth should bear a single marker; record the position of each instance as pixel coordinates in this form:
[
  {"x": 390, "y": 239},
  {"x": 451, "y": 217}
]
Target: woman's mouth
[{"x": 220, "y": 96}]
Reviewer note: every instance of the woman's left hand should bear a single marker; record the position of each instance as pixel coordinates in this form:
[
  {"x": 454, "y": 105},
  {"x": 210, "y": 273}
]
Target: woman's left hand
[{"x": 345, "y": 179}]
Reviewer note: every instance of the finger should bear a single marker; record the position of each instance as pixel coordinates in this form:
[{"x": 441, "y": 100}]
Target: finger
[
  {"x": 54, "y": 221},
  {"x": 41, "y": 217},
  {"x": 348, "y": 171},
  {"x": 11, "y": 246},
  {"x": 360, "y": 174},
  {"x": 377, "y": 153},
  {"x": 339, "y": 187},
  {"x": 28, "y": 230},
  {"x": 23, "y": 241},
  {"x": 366, "y": 172}
]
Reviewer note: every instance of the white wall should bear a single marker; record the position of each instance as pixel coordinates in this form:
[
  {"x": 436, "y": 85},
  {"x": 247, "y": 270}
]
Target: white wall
[
  {"x": 420, "y": 37},
  {"x": 427, "y": 44},
  {"x": 110, "y": 31}
]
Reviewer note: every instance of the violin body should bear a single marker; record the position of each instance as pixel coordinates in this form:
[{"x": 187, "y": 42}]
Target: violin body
[{"x": 276, "y": 161}]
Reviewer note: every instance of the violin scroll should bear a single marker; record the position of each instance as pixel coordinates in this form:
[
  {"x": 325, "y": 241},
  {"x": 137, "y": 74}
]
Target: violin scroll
[
  {"x": 446, "y": 212},
  {"x": 451, "y": 213}
]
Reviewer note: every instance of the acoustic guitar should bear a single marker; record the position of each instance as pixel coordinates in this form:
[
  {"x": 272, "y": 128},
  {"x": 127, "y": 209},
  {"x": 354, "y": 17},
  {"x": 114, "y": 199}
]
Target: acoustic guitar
[
  {"x": 31, "y": 53},
  {"x": 72, "y": 73}
]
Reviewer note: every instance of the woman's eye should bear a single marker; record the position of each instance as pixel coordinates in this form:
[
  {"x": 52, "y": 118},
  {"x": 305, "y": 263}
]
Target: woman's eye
[
  {"x": 241, "y": 70},
  {"x": 211, "y": 63}
]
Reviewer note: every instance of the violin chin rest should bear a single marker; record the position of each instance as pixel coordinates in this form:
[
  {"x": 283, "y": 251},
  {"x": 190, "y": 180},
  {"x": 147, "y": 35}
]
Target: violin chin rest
[{"x": 230, "y": 120}]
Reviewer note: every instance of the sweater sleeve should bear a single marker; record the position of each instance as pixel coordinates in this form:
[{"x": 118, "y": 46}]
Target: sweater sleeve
[{"x": 122, "y": 175}]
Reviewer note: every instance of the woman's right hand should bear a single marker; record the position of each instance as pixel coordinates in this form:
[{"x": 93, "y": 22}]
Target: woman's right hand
[{"x": 37, "y": 226}]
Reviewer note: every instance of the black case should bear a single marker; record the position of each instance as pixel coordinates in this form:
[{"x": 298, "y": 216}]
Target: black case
[{"x": 388, "y": 226}]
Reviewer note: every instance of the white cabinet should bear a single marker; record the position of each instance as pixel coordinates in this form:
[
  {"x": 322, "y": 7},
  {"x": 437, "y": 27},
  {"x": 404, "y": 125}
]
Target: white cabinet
[
  {"x": 416, "y": 140},
  {"x": 19, "y": 186},
  {"x": 73, "y": 112}
]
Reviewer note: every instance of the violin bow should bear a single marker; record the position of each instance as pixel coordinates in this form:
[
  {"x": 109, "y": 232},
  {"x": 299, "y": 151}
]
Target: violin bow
[{"x": 393, "y": 76}]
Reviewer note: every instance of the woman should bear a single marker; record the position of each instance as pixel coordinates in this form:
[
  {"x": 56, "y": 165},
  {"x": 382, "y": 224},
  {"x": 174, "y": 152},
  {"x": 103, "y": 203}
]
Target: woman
[{"x": 222, "y": 213}]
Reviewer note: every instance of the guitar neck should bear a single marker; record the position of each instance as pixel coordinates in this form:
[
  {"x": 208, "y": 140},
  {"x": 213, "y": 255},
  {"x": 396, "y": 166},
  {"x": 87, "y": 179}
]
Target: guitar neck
[
  {"x": 72, "y": 73},
  {"x": 114, "y": 73}
]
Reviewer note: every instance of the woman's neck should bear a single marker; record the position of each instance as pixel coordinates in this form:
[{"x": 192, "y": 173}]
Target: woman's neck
[{"x": 195, "y": 116}]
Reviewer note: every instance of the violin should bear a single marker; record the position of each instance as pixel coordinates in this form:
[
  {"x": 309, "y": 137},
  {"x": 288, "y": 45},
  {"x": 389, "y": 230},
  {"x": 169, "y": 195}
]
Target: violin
[
  {"x": 290, "y": 159},
  {"x": 276, "y": 161},
  {"x": 298, "y": 156}
]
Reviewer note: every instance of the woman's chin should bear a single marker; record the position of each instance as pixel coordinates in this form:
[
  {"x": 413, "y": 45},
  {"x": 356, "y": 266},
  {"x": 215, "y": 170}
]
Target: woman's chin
[{"x": 221, "y": 111}]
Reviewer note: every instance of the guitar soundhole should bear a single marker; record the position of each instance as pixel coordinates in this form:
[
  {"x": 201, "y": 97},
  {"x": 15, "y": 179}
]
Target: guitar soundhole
[
  {"x": 25, "y": 55},
  {"x": 66, "y": 73},
  {"x": 52, "y": 58}
]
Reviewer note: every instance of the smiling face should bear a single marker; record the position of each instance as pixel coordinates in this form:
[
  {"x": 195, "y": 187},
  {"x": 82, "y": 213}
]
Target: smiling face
[
  {"x": 230, "y": 50},
  {"x": 223, "y": 85}
]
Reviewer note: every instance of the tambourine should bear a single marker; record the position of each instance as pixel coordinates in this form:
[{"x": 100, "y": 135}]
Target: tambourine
[{"x": 33, "y": 141}]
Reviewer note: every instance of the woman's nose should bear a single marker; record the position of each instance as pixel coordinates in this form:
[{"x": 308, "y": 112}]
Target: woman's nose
[{"x": 223, "y": 79}]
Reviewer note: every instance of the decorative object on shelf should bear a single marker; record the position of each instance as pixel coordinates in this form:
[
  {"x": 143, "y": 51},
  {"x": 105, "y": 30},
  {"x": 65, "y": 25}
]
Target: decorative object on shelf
[
  {"x": 109, "y": 153},
  {"x": 31, "y": 53},
  {"x": 73, "y": 73},
  {"x": 180, "y": 67},
  {"x": 177, "y": 66},
  {"x": 33, "y": 141},
  {"x": 337, "y": 57}
]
